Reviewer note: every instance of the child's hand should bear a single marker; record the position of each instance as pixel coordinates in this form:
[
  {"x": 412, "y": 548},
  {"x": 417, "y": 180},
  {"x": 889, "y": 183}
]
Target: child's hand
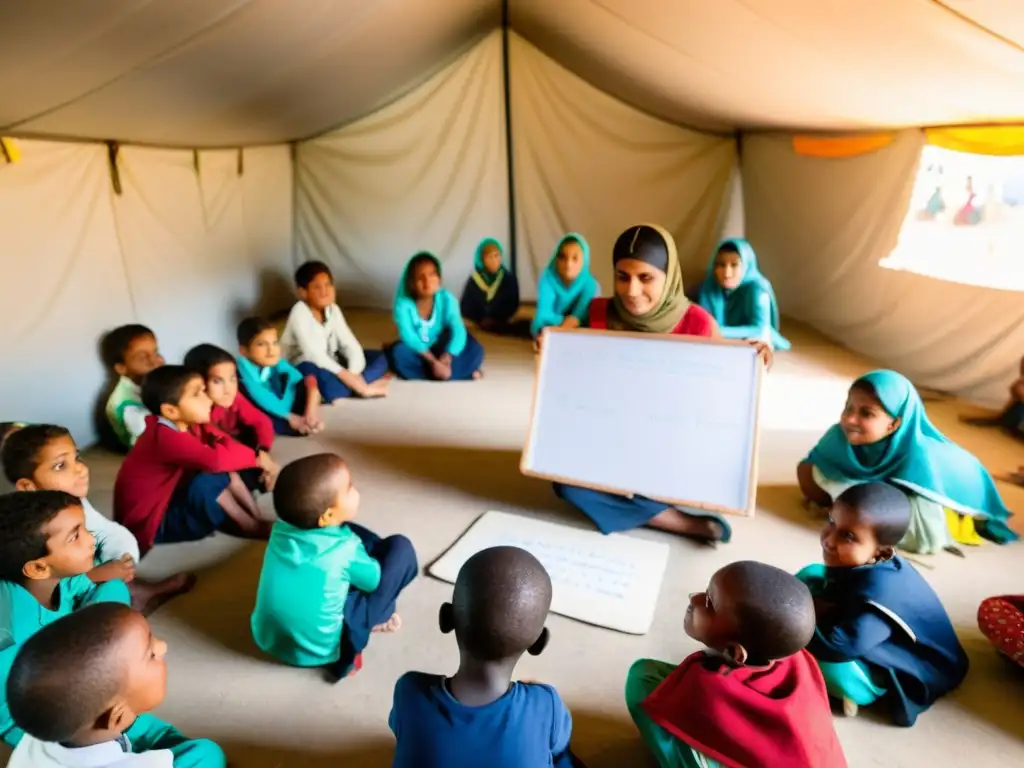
[
  {"x": 270, "y": 470},
  {"x": 123, "y": 569},
  {"x": 299, "y": 424},
  {"x": 571, "y": 321},
  {"x": 441, "y": 367},
  {"x": 765, "y": 352}
]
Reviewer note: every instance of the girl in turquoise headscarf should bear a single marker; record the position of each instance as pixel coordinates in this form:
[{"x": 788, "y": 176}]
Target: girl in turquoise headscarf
[
  {"x": 884, "y": 435},
  {"x": 432, "y": 339},
  {"x": 491, "y": 296},
  {"x": 739, "y": 297},
  {"x": 566, "y": 286}
]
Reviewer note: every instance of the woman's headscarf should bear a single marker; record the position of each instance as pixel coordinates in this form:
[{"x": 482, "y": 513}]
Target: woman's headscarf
[
  {"x": 653, "y": 245},
  {"x": 916, "y": 456},
  {"x": 484, "y": 280},
  {"x": 744, "y": 297},
  {"x": 568, "y": 294}
]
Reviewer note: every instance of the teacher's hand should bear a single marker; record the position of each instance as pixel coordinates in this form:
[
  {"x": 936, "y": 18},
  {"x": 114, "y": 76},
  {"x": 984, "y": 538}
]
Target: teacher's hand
[
  {"x": 765, "y": 352},
  {"x": 571, "y": 321}
]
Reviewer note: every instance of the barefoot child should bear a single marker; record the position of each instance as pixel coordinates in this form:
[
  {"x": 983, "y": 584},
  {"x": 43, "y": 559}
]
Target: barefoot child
[
  {"x": 326, "y": 582},
  {"x": 45, "y": 553},
  {"x": 566, "y": 287},
  {"x": 756, "y": 698},
  {"x": 131, "y": 352},
  {"x": 44, "y": 457},
  {"x": 500, "y": 603},
  {"x": 882, "y": 631},
  {"x": 884, "y": 435},
  {"x": 274, "y": 385},
  {"x": 432, "y": 339},
  {"x": 232, "y": 413},
  {"x": 108, "y": 659},
  {"x": 318, "y": 341},
  {"x": 491, "y": 296},
  {"x": 181, "y": 482}
]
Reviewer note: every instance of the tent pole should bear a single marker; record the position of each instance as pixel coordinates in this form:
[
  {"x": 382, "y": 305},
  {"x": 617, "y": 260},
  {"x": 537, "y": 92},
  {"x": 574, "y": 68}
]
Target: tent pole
[{"x": 513, "y": 260}]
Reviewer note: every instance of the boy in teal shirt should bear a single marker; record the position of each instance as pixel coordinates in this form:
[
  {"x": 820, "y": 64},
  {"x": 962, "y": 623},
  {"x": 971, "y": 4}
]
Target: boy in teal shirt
[
  {"x": 326, "y": 583},
  {"x": 109, "y": 657},
  {"x": 45, "y": 553}
]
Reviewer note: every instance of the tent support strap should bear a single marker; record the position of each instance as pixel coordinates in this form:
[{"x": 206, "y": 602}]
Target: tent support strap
[{"x": 513, "y": 255}]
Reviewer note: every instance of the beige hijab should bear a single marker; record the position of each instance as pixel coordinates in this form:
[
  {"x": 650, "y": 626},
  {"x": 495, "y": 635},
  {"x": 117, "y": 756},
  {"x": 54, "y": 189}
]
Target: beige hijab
[{"x": 671, "y": 307}]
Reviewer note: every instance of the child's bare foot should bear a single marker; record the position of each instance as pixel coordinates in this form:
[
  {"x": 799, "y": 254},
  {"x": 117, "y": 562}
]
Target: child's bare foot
[
  {"x": 378, "y": 388},
  {"x": 147, "y": 596},
  {"x": 850, "y": 708},
  {"x": 391, "y": 625},
  {"x": 478, "y": 374}
]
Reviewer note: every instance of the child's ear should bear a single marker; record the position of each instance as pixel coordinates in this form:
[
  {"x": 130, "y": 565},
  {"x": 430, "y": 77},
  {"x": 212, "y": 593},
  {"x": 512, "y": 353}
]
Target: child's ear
[
  {"x": 24, "y": 484},
  {"x": 327, "y": 518},
  {"x": 540, "y": 644},
  {"x": 736, "y": 653},
  {"x": 170, "y": 412},
  {"x": 895, "y": 425},
  {"x": 117, "y": 719},
  {"x": 120, "y": 369},
  {"x": 446, "y": 618},
  {"x": 37, "y": 569},
  {"x": 885, "y": 554}
]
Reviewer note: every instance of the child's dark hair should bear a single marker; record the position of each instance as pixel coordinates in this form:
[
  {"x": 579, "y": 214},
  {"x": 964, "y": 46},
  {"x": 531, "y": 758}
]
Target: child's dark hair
[
  {"x": 8, "y": 428},
  {"x": 309, "y": 271},
  {"x": 23, "y": 515},
  {"x": 250, "y": 328},
  {"x": 423, "y": 257},
  {"x": 730, "y": 247},
  {"x": 117, "y": 341},
  {"x": 885, "y": 506},
  {"x": 65, "y": 675},
  {"x": 306, "y": 488},
  {"x": 20, "y": 451},
  {"x": 165, "y": 386},
  {"x": 774, "y": 609},
  {"x": 501, "y": 601},
  {"x": 569, "y": 240},
  {"x": 203, "y": 357}
]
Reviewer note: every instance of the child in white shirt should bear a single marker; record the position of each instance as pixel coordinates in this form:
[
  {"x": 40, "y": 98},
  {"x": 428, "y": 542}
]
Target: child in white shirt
[{"x": 318, "y": 341}]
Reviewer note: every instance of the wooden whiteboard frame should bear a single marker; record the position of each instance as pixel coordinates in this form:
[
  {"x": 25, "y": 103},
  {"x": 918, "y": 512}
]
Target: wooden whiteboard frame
[{"x": 758, "y": 382}]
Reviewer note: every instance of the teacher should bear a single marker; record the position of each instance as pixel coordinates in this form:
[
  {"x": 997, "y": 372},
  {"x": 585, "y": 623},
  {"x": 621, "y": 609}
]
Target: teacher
[{"x": 649, "y": 298}]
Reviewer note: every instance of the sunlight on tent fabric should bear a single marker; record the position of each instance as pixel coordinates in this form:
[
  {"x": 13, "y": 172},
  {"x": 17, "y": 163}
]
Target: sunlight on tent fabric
[{"x": 804, "y": 400}]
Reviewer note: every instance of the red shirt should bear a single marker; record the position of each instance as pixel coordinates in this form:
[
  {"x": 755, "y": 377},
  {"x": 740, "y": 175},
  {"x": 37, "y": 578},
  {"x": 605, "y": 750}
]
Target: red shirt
[
  {"x": 158, "y": 461},
  {"x": 242, "y": 415},
  {"x": 696, "y": 321},
  {"x": 771, "y": 717}
]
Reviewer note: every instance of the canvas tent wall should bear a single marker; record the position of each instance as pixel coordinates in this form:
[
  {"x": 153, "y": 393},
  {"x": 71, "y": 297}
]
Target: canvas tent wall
[{"x": 372, "y": 130}]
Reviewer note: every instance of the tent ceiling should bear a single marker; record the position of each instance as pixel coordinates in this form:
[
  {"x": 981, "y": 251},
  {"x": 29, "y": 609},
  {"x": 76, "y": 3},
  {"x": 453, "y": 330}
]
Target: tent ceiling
[{"x": 240, "y": 72}]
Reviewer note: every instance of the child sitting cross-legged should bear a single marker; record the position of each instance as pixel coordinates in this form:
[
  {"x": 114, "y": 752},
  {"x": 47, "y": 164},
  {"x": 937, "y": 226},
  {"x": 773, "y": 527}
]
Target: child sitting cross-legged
[
  {"x": 278, "y": 388},
  {"x": 82, "y": 689},
  {"x": 46, "y": 552},
  {"x": 44, "y": 457},
  {"x": 130, "y": 351},
  {"x": 882, "y": 631},
  {"x": 183, "y": 479},
  {"x": 326, "y": 582},
  {"x": 319, "y": 342},
  {"x": 232, "y": 413},
  {"x": 433, "y": 342},
  {"x": 756, "y": 698},
  {"x": 478, "y": 716}
]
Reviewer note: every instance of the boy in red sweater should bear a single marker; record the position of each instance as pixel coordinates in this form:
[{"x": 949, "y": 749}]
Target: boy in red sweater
[
  {"x": 232, "y": 412},
  {"x": 180, "y": 481}
]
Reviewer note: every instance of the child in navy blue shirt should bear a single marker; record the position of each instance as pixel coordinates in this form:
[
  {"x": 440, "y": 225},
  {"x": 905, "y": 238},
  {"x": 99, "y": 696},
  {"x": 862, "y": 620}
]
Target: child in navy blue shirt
[
  {"x": 882, "y": 632},
  {"x": 478, "y": 716}
]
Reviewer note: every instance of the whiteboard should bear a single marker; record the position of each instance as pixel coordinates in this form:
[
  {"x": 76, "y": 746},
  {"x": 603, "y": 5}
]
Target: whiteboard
[
  {"x": 673, "y": 418},
  {"x": 609, "y": 581}
]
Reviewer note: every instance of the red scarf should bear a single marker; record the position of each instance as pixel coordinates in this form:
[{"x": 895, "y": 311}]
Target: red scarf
[{"x": 750, "y": 717}]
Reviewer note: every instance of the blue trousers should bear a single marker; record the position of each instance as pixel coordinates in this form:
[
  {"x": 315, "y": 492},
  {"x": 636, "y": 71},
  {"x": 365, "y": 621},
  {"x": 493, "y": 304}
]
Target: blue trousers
[
  {"x": 407, "y": 363},
  {"x": 609, "y": 512},
  {"x": 365, "y": 610},
  {"x": 330, "y": 385},
  {"x": 194, "y": 512}
]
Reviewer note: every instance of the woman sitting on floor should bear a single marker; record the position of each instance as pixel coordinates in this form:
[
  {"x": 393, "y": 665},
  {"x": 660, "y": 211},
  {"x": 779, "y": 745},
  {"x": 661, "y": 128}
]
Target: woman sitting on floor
[
  {"x": 491, "y": 296},
  {"x": 884, "y": 435},
  {"x": 649, "y": 298},
  {"x": 739, "y": 297}
]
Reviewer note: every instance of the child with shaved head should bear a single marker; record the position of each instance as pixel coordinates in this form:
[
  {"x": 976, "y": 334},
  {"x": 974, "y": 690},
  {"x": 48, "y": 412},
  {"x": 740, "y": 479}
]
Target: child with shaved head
[
  {"x": 478, "y": 716},
  {"x": 756, "y": 697},
  {"x": 81, "y": 689},
  {"x": 882, "y": 632},
  {"x": 326, "y": 583}
]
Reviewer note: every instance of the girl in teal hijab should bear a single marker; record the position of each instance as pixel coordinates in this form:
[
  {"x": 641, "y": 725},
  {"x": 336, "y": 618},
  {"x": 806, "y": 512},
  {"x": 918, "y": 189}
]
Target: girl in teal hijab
[
  {"x": 884, "y": 435},
  {"x": 566, "y": 286},
  {"x": 739, "y": 297}
]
